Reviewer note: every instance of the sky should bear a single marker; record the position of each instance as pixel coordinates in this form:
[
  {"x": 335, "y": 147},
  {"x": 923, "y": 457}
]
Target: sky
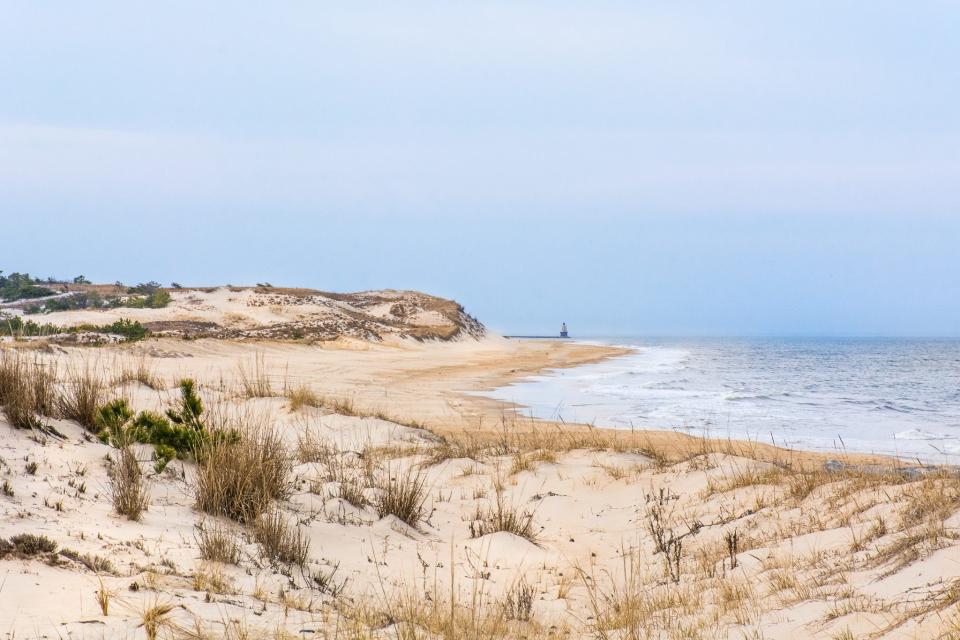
[{"x": 631, "y": 168}]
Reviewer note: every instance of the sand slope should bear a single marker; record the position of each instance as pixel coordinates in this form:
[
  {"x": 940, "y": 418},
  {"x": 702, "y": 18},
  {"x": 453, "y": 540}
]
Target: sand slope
[
  {"x": 271, "y": 312},
  {"x": 857, "y": 553}
]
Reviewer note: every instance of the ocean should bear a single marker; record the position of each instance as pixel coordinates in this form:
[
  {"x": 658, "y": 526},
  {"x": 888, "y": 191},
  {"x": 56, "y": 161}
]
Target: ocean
[{"x": 890, "y": 396}]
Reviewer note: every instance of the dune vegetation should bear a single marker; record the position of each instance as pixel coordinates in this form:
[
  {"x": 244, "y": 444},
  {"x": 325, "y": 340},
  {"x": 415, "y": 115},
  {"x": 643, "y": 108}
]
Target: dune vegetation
[{"x": 245, "y": 504}]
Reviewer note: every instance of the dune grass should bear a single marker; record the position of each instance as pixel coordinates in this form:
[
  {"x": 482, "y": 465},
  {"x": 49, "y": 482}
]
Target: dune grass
[
  {"x": 128, "y": 489},
  {"x": 27, "y": 390},
  {"x": 402, "y": 493},
  {"x": 502, "y": 516},
  {"x": 84, "y": 393},
  {"x": 241, "y": 468}
]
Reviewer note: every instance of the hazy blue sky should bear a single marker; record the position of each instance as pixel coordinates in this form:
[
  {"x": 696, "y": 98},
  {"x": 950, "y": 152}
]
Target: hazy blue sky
[{"x": 629, "y": 167}]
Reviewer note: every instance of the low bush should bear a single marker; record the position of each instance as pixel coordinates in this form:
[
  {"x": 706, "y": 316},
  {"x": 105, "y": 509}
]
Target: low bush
[
  {"x": 190, "y": 411},
  {"x": 20, "y": 286},
  {"x": 97, "y": 564},
  {"x": 27, "y": 545},
  {"x": 169, "y": 440},
  {"x": 129, "y": 330},
  {"x": 156, "y": 300},
  {"x": 17, "y": 327}
]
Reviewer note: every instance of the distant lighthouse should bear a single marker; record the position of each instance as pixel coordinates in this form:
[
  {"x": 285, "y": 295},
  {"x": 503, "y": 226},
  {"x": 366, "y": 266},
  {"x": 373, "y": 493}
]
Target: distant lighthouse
[{"x": 563, "y": 330}]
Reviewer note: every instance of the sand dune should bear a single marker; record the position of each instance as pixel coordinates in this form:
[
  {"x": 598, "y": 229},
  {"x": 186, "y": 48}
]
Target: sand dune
[
  {"x": 280, "y": 313},
  {"x": 524, "y": 529}
]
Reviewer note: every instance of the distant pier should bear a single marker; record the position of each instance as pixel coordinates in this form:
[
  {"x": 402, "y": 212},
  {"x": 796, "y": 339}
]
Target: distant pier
[{"x": 564, "y": 335}]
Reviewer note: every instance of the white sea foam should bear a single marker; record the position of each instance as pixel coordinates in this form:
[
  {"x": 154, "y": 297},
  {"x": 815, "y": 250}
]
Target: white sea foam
[
  {"x": 920, "y": 434},
  {"x": 884, "y": 396}
]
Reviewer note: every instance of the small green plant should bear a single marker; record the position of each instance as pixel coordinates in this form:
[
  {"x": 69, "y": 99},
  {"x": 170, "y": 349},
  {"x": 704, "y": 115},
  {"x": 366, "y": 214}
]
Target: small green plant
[
  {"x": 111, "y": 421},
  {"x": 191, "y": 407},
  {"x": 28, "y": 544},
  {"x": 168, "y": 440}
]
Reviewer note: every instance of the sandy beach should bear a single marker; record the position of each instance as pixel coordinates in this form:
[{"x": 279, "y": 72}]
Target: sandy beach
[{"x": 520, "y": 528}]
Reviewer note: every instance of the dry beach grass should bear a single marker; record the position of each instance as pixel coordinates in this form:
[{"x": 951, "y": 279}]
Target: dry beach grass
[{"x": 326, "y": 516}]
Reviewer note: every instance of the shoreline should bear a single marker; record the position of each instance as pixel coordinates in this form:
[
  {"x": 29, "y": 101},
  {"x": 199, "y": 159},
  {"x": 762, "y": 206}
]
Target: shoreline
[
  {"x": 552, "y": 402},
  {"x": 681, "y": 443},
  {"x": 436, "y": 385},
  {"x": 575, "y": 497}
]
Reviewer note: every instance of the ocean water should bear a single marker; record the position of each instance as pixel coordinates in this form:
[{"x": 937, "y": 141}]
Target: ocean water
[{"x": 891, "y": 396}]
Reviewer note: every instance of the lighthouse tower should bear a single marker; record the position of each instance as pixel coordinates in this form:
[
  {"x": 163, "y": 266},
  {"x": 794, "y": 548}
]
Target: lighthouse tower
[{"x": 563, "y": 330}]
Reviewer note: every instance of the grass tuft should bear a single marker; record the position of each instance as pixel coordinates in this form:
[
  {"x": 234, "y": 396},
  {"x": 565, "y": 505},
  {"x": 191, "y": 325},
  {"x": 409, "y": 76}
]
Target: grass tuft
[
  {"x": 402, "y": 494},
  {"x": 501, "y": 516},
  {"x": 85, "y": 393},
  {"x": 218, "y": 543},
  {"x": 279, "y": 541},
  {"x": 128, "y": 490},
  {"x": 27, "y": 390},
  {"x": 241, "y": 470},
  {"x": 254, "y": 381}
]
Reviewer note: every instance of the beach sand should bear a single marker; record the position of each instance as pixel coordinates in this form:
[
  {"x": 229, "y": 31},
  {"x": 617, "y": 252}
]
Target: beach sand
[{"x": 528, "y": 528}]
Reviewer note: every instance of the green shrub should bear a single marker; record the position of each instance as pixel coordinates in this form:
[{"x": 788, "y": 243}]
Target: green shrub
[
  {"x": 111, "y": 420},
  {"x": 17, "y": 327},
  {"x": 20, "y": 286},
  {"x": 169, "y": 440},
  {"x": 149, "y": 295},
  {"x": 130, "y": 330},
  {"x": 28, "y": 544},
  {"x": 191, "y": 407},
  {"x": 158, "y": 300},
  {"x": 145, "y": 288}
]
